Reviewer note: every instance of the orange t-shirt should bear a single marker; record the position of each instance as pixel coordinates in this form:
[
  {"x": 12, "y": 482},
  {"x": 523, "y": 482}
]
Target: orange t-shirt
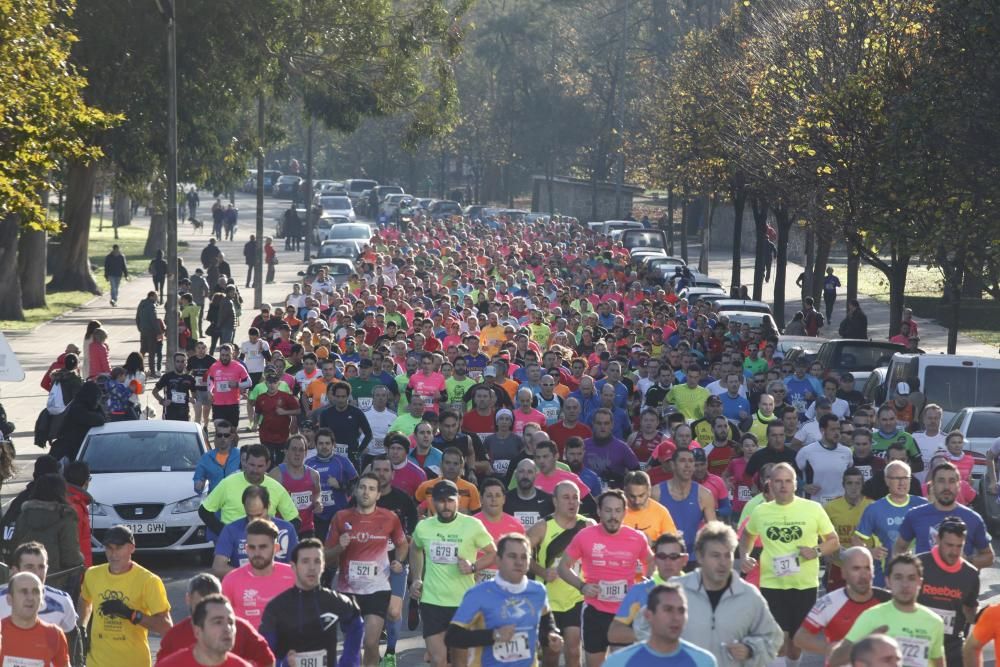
[
  {"x": 468, "y": 496},
  {"x": 316, "y": 391},
  {"x": 44, "y": 642}
]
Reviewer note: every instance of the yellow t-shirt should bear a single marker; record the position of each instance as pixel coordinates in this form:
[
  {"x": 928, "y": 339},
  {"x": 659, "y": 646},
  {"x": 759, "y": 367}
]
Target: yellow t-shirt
[
  {"x": 653, "y": 520},
  {"x": 845, "y": 518},
  {"x": 115, "y": 641},
  {"x": 689, "y": 402},
  {"x": 490, "y": 339},
  {"x": 782, "y": 530}
]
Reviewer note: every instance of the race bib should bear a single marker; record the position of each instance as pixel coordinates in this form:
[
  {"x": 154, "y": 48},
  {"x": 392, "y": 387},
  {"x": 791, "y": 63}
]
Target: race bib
[
  {"x": 200, "y": 380},
  {"x": 500, "y": 466},
  {"x": 743, "y": 493},
  {"x": 14, "y": 661},
  {"x": 223, "y": 385},
  {"x": 551, "y": 414},
  {"x": 515, "y": 650},
  {"x": 302, "y": 499},
  {"x": 179, "y": 397},
  {"x": 784, "y": 566},
  {"x": 365, "y": 403},
  {"x": 916, "y": 652},
  {"x": 376, "y": 447},
  {"x": 486, "y": 575},
  {"x": 310, "y": 659},
  {"x": 326, "y": 495},
  {"x": 444, "y": 553},
  {"x": 527, "y": 519},
  {"x": 362, "y": 571},
  {"x": 340, "y": 449},
  {"x": 612, "y": 591},
  {"x": 949, "y": 619}
]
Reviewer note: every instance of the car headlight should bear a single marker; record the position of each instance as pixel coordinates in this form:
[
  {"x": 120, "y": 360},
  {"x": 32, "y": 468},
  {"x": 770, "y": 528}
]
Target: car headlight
[
  {"x": 187, "y": 505},
  {"x": 97, "y": 509}
]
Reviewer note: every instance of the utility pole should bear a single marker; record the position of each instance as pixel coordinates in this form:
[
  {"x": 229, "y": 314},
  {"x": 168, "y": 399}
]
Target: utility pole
[
  {"x": 167, "y": 9},
  {"x": 309, "y": 192},
  {"x": 258, "y": 260},
  {"x": 622, "y": 66}
]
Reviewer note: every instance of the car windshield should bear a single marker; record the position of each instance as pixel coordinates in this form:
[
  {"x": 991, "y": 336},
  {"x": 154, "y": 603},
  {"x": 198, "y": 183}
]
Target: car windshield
[
  {"x": 142, "y": 451},
  {"x": 337, "y": 250},
  {"x": 865, "y": 358},
  {"x": 348, "y": 232},
  {"x": 984, "y": 425},
  {"x": 335, "y": 203},
  {"x": 957, "y": 387},
  {"x": 640, "y": 239}
]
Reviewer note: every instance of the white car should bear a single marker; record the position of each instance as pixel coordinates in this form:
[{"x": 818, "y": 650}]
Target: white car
[
  {"x": 142, "y": 476},
  {"x": 391, "y": 203},
  {"x": 337, "y": 206}
]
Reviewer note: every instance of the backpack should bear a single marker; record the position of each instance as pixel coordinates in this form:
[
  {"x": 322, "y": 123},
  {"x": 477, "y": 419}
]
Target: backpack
[{"x": 55, "y": 405}]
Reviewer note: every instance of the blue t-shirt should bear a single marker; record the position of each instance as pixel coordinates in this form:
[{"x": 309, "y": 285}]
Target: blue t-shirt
[
  {"x": 339, "y": 468},
  {"x": 731, "y": 407},
  {"x": 882, "y": 519},
  {"x": 797, "y": 390},
  {"x": 232, "y": 543},
  {"x": 634, "y": 602},
  {"x": 486, "y": 606},
  {"x": 640, "y": 655},
  {"x": 921, "y": 524}
]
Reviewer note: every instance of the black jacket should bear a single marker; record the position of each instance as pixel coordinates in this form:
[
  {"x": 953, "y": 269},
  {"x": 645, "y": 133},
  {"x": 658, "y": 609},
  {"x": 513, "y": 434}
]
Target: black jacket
[
  {"x": 855, "y": 325},
  {"x": 114, "y": 265},
  {"x": 81, "y": 415}
]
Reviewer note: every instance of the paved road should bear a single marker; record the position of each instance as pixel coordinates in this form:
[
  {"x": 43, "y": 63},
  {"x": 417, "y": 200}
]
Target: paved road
[{"x": 37, "y": 349}]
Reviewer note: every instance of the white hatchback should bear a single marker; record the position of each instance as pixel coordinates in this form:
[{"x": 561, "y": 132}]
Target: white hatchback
[{"x": 142, "y": 476}]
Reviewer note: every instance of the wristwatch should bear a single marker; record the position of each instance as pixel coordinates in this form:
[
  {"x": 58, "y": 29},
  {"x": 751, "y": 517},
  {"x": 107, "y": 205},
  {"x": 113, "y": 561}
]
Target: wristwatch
[
  {"x": 473, "y": 567},
  {"x": 137, "y": 617}
]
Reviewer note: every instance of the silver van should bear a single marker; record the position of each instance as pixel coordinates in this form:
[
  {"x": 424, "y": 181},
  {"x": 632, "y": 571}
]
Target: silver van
[{"x": 950, "y": 380}]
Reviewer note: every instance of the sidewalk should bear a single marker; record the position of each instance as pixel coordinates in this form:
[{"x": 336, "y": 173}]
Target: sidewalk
[{"x": 933, "y": 336}]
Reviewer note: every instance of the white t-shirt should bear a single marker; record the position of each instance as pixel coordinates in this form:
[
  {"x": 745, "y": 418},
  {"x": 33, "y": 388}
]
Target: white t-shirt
[
  {"x": 808, "y": 432},
  {"x": 839, "y": 407},
  {"x": 380, "y": 423},
  {"x": 718, "y": 388},
  {"x": 827, "y": 468},
  {"x": 253, "y": 355},
  {"x": 928, "y": 444}
]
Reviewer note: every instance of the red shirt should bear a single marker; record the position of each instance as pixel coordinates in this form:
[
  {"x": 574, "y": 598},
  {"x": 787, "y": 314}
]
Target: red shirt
[
  {"x": 249, "y": 644},
  {"x": 274, "y": 427},
  {"x": 559, "y": 434},
  {"x": 185, "y": 658},
  {"x": 43, "y": 642}
]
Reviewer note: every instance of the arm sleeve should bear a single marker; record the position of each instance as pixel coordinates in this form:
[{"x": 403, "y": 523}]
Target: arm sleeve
[
  {"x": 354, "y": 630},
  {"x": 460, "y": 637},
  {"x": 209, "y": 519},
  {"x": 724, "y": 508},
  {"x": 224, "y": 543},
  {"x": 155, "y": 596}
]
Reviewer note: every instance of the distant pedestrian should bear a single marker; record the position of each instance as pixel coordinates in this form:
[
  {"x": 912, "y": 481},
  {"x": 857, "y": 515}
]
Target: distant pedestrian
[
  {"x": 830, "y": 285},
  {"x": 115, "y": 268},
  {"x": 218, "y": 213},
  {"x": 229, "y": 221},
  {"x": 270, "y": 258},
  {"x": 209, "y": 253},
  {"x": 250, "y": 254},
  {"x": 192, "y": 203},
  {"x": 855, "y": 325},
  {"x": 292, "y": 229},
  {"x": 813, "y": 318},
  {"x": 148, "y": 324},
  {"x": 158, "y": 269}
]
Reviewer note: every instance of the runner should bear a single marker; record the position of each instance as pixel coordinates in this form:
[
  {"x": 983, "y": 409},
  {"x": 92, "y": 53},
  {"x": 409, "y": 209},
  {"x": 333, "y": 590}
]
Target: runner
[
  {"x": 666, "y": 613},
  {"x": 889, "y": 432},
  {"x": 722, "y": 448},
  {"x": 452, "y": 466},
  {"x": 550, "y": 538},
  {"x": 446, "y": 544},
  {"x": 879, "y": 526},
  {"x": 505, "y": 619},
  {"x": 497, "y": 522},
  {"x": 549, "y": 473},
  {"x": 606, "y": 455},
  {"x": 833, "y": 614},
  {"x": 213, "y": 624},
  {"x": 643, "y": 513},
  {"x": 57, "y": 606},
  {"x": 794, "y": 533},
  {"x": 248, "y": 644},
  {"x": 124, "y": 601},
  {"x": 175, "y": 390},
  {"x": 610, "y": 555},
  {"x": 302, "y": 483},
  {"x": 336, "y": 475},
  {"x": 197, "y": 366},
  {"x": 845, "y": 513},
  {"x": 458, "y": 385},
  {"x": 688, "y": 502},
  {"x": 28, "y": 640},
  {"x": 477, "y": 464},
  {"x": 645, "y": 441},
  {"x": 360, "y": 539},
  {"x": 919, "y": 631},
  {"x": 278, "y": 412},
  {"x": 823, "y": 462},
  {"x": 351, "y": 430},
  {"x": 300, "y": 624},
  {"x": 920, "y": 525},
  {"x": 670, "y": 559},
  {"x": 254, "y": 353},
  {"x": 526, "y": 502},
  {"x": 227, "y": 497},
  {"x": 227, "y": 380},
  {"x": 379, "y": 417},
  {"x": 569, "y": 426},
  {"x": 231, "y": 545},
  {"x": 250, "y": 587},
  {"x": 951, "y": 586},
  {"x": 427, "y": 383}
]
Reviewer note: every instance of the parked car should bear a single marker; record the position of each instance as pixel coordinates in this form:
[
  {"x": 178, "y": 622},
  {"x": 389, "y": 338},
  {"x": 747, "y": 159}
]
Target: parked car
[
  {"x": 952, "y": 381},
  {"x": 693, "y": 294},
  {"x": 287, "y": 186},
  {"x": 338, "y": 268},
  {"x": 742, "y": 304},
  {"x": 443, "y": 209},
  {"x": 320, "y": 184},
  {"x": 271, "y": 177},
  {"x": 334, "y": 188},
  {"x": 981, "y": 428},
  {"x": 342, "y": 249},
  {"x": 859, "y": 357},
  {"x": 279, "y": 222},
  {"x": 808, "y": 345},
  {"x": 337, "y": 205},
  {"x": 383, "y": 191},
  {"x": 754, "y": 319},
  {"x": 141, "y": 477},
  {"x": 356, "y": 187}
]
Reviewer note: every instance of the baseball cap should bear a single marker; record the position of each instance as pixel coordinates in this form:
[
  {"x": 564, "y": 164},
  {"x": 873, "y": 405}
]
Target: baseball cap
[
  {"x": 312, "y": 313},
  {"x": 903, "y": 388},
  {"x": 699, "y": 455},
  {"x": 490, "y": 371},
  {"x": 119, "y": 535},
  {"x": 444, "y": 489}
]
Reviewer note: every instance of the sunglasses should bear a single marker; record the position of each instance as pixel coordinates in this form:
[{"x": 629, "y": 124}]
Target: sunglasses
[
  {"x": 223, "y": 435},
  {"x": 663, "y": 556}
]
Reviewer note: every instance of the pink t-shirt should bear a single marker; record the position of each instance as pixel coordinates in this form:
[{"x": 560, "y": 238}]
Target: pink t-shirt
[
  {"x": 547, "y": 483},
  {"x": 612, "y": 562},
  {"x": 533, "y": 417},
  {"x": 408, "y": 477},
  {"x": 429, "y": 387},
  {"x": 224, "y": 382},
  {"x": 742, "y": 483},
  {"x": 249, "y": 593},
  {"x": 717, "y": 486}
]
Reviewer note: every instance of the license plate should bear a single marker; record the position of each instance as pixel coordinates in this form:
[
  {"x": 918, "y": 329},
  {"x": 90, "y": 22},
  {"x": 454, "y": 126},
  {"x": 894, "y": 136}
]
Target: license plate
[{"x": 147, "y": 527}]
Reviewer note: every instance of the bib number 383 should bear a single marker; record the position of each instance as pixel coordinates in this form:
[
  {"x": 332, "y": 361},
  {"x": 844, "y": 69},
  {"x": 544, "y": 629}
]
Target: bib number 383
[{"x": 515, "y": 650}]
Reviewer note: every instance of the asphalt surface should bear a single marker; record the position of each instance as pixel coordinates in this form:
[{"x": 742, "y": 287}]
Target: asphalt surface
[{"x": 37, "y": 349}]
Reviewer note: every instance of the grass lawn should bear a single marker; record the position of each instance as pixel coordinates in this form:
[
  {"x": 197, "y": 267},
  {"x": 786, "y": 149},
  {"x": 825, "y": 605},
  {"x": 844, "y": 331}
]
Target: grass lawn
[
  {"x": 131, "y": 240},
  {"x": 980, "y": 319}
]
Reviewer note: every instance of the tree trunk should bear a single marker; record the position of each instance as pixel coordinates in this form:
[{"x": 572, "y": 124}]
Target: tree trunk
[
  {"x": 685, "y": 205},
  {"x": 11, "y": 307},
  {"x": 72, "y": 266},
  {"x": 157, "y": 238},
  {"x": 784, "y": 219},
  {"x": 853, "y": 263},
  {"x": 31, "y": 250},
  {"x": 897, "y": 290},
  {"x": 820, "y": 261},
  {"x": 122, "y": 213},
  {"x": 706, "y": 236},
  {"x": 807, "y": 270},
  {"x": 670, "y": 221},
  {"x": 739, "y": 197},
  {"x": 955, "y": 276},
  {"x": 759, "y": 208}
]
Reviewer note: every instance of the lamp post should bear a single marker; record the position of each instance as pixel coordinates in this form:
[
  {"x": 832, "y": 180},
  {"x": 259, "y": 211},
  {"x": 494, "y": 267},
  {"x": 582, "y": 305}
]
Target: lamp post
[{"x": 166, "y": 8}]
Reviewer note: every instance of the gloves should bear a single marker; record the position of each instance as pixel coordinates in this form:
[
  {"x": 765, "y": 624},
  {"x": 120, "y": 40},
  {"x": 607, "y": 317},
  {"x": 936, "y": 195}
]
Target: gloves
[{"x": 117, "y": 608}]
